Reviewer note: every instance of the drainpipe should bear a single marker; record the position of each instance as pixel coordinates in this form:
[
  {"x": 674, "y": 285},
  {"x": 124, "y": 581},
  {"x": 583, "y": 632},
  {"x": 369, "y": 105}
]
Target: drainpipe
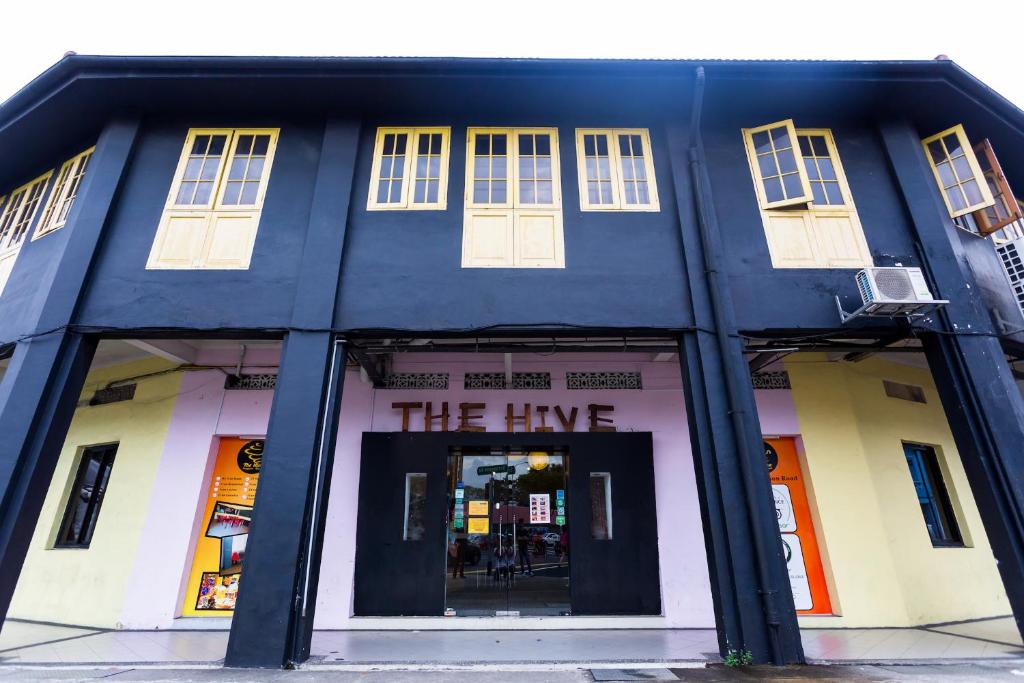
[{"x": 736, "y": 412}]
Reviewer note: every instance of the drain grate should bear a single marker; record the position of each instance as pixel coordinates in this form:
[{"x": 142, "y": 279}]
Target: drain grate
[{"x": 633, "y": 675}]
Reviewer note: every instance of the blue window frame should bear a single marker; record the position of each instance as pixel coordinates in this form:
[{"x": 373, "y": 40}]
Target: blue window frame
[{"x": 932, "y": 495}]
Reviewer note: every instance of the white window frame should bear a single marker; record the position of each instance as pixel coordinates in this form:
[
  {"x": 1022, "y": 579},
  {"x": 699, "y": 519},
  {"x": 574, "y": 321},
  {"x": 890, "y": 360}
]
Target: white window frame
[
  {"x": 407, "y": 202},
  {"x": 517, "y": 215},
  {"x": 972, "y": 161},
  {"x": 202, "y": 244},
  {"x": 65, "y": 190},
  {"x": 818, "y": 220},
  {"x": 9, "y": 249},
  {"x": 618, "y": 189},
  {"x": 755, "y": 168}
]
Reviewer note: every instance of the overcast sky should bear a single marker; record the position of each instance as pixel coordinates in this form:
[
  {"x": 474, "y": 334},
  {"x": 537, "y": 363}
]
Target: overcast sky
[{"x": 36, "y": 34}]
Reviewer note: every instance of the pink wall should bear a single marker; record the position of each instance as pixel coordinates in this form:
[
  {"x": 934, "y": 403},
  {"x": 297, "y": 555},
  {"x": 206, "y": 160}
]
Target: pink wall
[
  {"x": 205, "y": 411},
  {"x": 659, "y": 408}
]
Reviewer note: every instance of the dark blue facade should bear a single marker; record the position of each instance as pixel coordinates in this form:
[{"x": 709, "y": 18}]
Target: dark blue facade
[{"x": 323, "y": 264}]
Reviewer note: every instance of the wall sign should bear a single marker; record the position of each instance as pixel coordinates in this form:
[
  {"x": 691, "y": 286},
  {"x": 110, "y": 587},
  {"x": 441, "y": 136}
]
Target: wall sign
[
  {"x": 227, "y": 519},
  {"x": 540, "y": 508},
  {"x": 479, "y": 525},
  {"x": 250, "y": 457},
  {"x": 526, "y": 419},
  {"x": 793, "y": 514}
]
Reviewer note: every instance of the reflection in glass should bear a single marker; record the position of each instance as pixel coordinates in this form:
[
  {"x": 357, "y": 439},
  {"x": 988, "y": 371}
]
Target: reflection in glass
[
  {"x": 601, "y": 506},
  {"x": 508, "y": 542},
  {"x": 415, "y": 506}
]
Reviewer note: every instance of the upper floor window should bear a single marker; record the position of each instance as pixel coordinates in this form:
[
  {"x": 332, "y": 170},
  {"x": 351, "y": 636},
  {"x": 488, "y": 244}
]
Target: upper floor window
[
  {"x": 1005, "y": 208},
  {"x": 616, "y": 170},
  {"x": 957, "y": 171},
  {"x": 215, "y": 201},
  {"x": 64, "y": 193},
  {"x": 807, "y": 208},
  {"x": 974, "y": 188},
  {"x": 513, "y": 210},
  {"x": 410, "y": 169},
  {"x": 15, "y": 220}
]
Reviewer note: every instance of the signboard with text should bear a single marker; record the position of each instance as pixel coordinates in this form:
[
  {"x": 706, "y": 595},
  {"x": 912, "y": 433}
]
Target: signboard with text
[{"x": 793, "y": 514}]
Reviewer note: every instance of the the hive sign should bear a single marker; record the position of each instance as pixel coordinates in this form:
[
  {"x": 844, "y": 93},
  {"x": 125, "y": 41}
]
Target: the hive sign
[{"x": 250, "y": 457}]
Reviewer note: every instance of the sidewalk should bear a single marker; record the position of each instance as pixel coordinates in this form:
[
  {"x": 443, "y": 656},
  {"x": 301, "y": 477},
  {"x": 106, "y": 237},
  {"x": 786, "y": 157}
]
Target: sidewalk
[
  {"x": 966, "y": 673},
  {"x": 992, "y": 641}
]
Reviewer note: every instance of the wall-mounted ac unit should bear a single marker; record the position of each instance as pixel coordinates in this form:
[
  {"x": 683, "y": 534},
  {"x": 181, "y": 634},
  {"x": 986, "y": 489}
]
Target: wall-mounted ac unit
[
  {"x": 892, "y": 292},
  {"x": 1012, "y": 256}
]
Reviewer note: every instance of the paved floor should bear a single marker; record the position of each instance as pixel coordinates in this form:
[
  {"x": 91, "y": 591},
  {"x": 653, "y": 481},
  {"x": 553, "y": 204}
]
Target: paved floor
[
  {"x": 23, "y": 643},
  {"x": 966, "y": 673},
  {"x": 982, "y": 639}
]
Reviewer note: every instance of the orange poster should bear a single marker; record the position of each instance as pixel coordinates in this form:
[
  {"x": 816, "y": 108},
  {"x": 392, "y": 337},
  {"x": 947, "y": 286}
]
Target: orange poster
[
  {"x": 226, "y": 520},
  {"x": 806, "y": 574}
]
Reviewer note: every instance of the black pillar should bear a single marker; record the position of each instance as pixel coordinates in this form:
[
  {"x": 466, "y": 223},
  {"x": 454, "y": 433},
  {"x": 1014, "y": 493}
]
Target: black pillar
[
  {"x": 41, "y": 387},
  {"x": 753, "y": 600},
  {"x": 978, "y": 392},
  {"x": 273, "y": 619},
  {"x": 38, "y": 396},
  {"x": 273, "y": 599}
]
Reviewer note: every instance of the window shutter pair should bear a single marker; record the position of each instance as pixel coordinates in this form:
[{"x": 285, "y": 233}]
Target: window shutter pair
[
  {"x": 513, "y": 210},
  {"x": 810, "y": 220},
  {"x": 971, "y": 179},
  {"x": 214, "y": 205}
]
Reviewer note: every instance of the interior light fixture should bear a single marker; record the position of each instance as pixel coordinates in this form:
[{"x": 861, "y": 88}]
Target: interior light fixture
[{"x": 538, "y": 460}]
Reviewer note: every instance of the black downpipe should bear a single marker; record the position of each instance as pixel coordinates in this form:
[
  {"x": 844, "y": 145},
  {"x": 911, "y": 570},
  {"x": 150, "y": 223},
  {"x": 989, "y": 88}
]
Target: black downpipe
[{"x": 736, "y": 412}]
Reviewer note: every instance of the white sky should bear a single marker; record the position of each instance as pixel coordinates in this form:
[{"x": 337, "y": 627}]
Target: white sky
[{"x": 38, "y": 33}]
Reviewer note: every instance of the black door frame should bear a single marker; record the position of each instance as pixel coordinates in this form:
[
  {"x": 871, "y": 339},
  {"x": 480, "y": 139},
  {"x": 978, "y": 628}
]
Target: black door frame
[{"x": 433, "y": 444}]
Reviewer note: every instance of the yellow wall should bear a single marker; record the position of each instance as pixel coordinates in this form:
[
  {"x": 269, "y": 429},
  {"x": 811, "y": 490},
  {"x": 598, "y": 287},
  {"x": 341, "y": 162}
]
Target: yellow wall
[
  {"x": 883, "y": 567},
  {"x": 86, "y": 586}
]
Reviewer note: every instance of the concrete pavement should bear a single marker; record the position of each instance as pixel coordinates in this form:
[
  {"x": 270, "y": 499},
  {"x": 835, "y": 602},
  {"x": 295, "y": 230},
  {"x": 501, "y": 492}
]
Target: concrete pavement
[{"x": 956, "y": 673}]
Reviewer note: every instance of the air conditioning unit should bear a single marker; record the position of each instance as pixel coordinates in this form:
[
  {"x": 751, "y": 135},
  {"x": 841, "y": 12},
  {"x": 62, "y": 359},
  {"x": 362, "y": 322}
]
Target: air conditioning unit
[
  {"x": 1012, "y": 256},
  {"x": 892, "y": 292}
]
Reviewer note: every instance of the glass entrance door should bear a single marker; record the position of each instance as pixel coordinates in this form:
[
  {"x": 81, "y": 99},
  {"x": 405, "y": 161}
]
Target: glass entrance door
[{"x": 507, "y": 533}]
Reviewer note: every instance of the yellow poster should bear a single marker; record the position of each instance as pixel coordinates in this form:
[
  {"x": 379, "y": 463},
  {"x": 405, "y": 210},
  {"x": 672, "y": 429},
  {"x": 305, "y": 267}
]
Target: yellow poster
[
  {"x": 226, "y": 520},
  {"x": 478, "y": 525},
  {"x": 478, "y": 508}
]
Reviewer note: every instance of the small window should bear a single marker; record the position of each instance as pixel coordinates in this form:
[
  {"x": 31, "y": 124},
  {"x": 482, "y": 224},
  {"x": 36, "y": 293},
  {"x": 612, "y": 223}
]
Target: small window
[
  {"x": 616, "y": 171},
  {"x": 956, "y": 169},
  {"x": 513, "y": 211},
  {"x": 776, "y": 164},
  {"x": 932, "y": 496},
  {"x": 18, "y": 213},
  {"x": 15, "y": 220},
  {"x": 601, "y": 506},
  {"x": 1005, "y": 209},
  {"x": 415, "y": 506},
  {"x": 64, "y": 193},
  {"x": 86, "y": 497},
  {"x": 215, "y": 201},
  {"x": 410, "y": 169},
  {"x": 906, "y": 392}
]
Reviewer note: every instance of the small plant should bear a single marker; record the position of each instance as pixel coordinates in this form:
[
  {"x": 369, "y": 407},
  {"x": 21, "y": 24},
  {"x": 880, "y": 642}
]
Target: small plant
[{"x": 738, "y": 658}]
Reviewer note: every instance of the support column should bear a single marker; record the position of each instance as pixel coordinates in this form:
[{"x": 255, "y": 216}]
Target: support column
[
  {"x": 273, "y": 616},
  {"x": 273, "y": 620},
  {"x": 38, "y": 396},
  {"x": 978, "y": 392},
  {"x": 753, "y": 600},
  {"x": 41, "y": 387}
]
